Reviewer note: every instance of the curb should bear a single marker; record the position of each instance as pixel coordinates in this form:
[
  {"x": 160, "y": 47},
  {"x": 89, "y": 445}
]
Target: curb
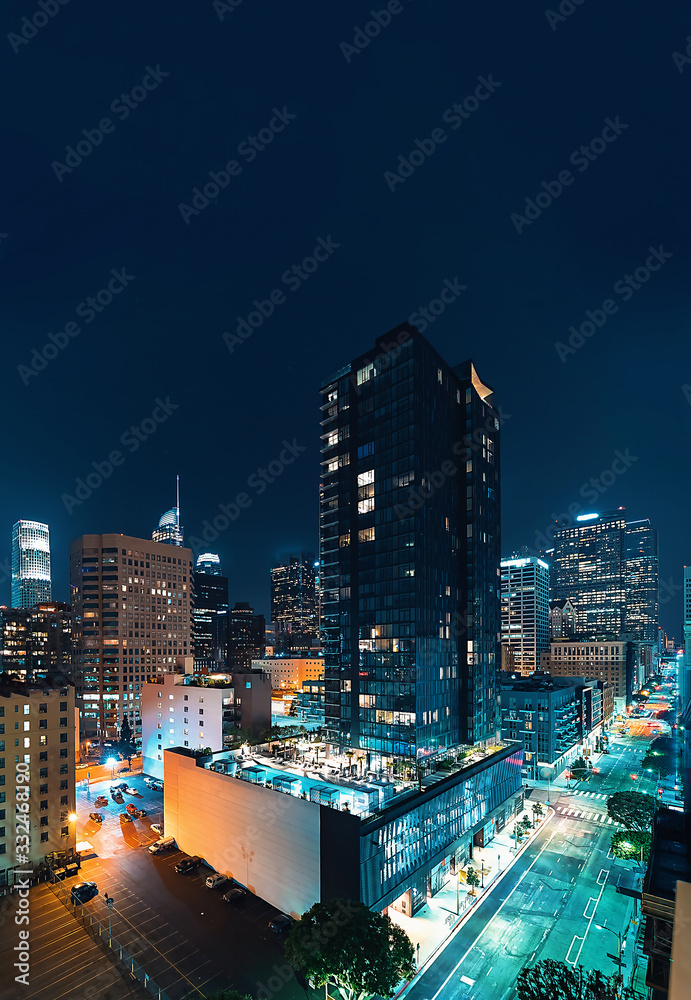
[{"x": 462, "y": 920}]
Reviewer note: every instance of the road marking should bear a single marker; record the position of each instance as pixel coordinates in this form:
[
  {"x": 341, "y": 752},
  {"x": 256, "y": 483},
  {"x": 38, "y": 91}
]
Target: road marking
[
  {"x": 463, "y": 958},
  {"x": 467, "y": 981},
  {"x": 605, "y": 872},
  {"x": 585, "y": 912},
  {"x": 573, "y": 961}
]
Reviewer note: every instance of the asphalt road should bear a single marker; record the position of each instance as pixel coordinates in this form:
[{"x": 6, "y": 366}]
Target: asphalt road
[{"x": 549, "y": 905}]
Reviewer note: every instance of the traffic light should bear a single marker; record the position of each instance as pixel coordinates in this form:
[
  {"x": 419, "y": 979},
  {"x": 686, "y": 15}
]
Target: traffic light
[{"x": 659, "y": 793}]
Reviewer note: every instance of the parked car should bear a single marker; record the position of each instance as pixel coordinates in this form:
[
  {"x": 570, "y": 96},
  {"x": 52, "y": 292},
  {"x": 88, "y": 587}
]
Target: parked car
[
  {"x": 141, "y": 812},
  {"x": 188, "y": 865},
  {"x": 96, "y": 817},
  {"x": 163, "y": 844},
  {"x": 131, "y": 809},
  {"x": 125, "y": 818},
  {"x": 82, "y": 892},
  {"x": 280, "y": 923},
  {"x": 101, "y": 801},
  {"x": 117, "y": 797},
  {"x": 234, "y": 895},
  {"x": 157, "y": 828},
  {"x": 216, "y": 881}
]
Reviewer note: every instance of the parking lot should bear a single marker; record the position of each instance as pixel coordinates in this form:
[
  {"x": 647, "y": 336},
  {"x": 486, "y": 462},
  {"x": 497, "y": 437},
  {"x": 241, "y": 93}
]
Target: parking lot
[{"x": 185, "y": 935}]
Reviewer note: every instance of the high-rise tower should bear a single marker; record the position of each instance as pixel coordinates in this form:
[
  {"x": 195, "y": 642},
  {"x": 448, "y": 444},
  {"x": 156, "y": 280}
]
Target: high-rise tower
[
  {"x": 294, "y": 606},
  {"x": 30, "y": 564},
  {"x": 169, "y": 529},
  {"x": 410, "y": 551}
]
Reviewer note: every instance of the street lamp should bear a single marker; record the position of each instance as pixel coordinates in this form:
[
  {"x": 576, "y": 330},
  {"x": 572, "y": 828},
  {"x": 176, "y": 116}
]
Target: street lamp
[
  {"x": 72, "y": 817},
  {"x": 112, "y": 762},
  {"x": 601, "y": 927}
]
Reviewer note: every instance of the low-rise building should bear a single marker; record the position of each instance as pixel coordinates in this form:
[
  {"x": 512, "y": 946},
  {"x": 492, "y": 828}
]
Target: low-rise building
[
  {"x": 545, "y": 714},
  {"x": 37, "y": 758},
  {"x": 289, "y": 673},
  {"x": 295, "y": 837},
  {"x": 197, "y": 712}
]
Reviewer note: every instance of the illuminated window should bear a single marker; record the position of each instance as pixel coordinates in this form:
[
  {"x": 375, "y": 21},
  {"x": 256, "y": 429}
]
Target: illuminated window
[{"x": 366, "y": 535}]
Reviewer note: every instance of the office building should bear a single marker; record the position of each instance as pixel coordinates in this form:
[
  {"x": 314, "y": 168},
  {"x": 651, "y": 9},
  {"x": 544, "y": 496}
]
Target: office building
[
  {"x": 562, "y": 619},
  {"x": 169, "y": 530},
  {"x": 30, "y": 564},
  {"x": 525, "y": 610},
  {"x": 409, "y": 551},
  {"x": 289, "y": 673},
  {"x": 295, "y": 839},
  {"x": 608, "y": 568},
  {"x": 36, "y": 642},
  {"x": 615, "y": 661},
  {"x": 131, "y": 619},
  {"x": 294, "y": 604},
  {"x": 684, "y": 678},
  {"x": 37, "y": 721},
  {"x": 210, "y": 621},
  {"x": 209, "y": 563},
  {"x": 246, "y": 636},
  {"x": 184, "y": 710}
]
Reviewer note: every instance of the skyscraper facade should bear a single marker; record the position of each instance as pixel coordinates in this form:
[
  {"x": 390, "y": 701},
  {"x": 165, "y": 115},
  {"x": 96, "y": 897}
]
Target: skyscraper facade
[
  {"x": 409, "y": 551},
  {"x": 131, "y": 619},
  {"x": 525, "y": 610},
  {"x": 684, "y": 680},
  {"x": 169, "y": 530},
  {"x": 294, "y": 604},
  {"x": 30, "y": 564},
  {"x": 36, "y": 643},
  {"x": 246, "y": 636},
  {"x": 210, "y": 620},
  {"x": 608, "y": 568},
  {"x": 209, "y": 563}
]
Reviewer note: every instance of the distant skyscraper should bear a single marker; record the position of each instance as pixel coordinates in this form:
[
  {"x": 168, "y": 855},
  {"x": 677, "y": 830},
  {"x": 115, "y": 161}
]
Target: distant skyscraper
[
  {"x": 607, "y": 567},
  {"x": 131, "y": 618},
  {"x": 525, "y": 610},
  {"x": 210, "y": 619},
  {"x": 685, "y": 663},
  {"x": 246, "y": 636},
  {"x": 562, "y": 619},
  {"x": 169, "y": 530},
  {"x": 30, "y": 564},
  {"x": 409, "y": 559},
  {"x": 209, "y": 563},
  {"x": 294, "y": 605}
]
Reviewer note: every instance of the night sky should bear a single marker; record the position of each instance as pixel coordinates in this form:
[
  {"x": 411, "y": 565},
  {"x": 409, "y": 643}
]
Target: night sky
[{"x": 333, "y": 119}]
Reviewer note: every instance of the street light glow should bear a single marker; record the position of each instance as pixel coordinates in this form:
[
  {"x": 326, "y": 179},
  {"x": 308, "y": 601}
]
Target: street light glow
[
  {"x": 111, "y": 761},
  {"x": 72, "y": 817}
]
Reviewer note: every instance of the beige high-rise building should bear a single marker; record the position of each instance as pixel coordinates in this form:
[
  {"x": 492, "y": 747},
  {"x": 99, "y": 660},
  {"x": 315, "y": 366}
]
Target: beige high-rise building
[
  {"x": 131, "y": 604},
  {"x": 37, "y": 797}
]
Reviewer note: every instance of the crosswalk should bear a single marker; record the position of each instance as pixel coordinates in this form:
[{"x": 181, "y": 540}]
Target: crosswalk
[
  {"x": 591, "y": 795},
  {"x": 593, "y": 817}
]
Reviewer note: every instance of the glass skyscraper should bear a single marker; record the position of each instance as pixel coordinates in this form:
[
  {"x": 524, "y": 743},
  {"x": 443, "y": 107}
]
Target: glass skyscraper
[
  {"x": 409, "y": 551},
  {"x": 608, "y": 568},
  {"x": 210, "y": 619},
  {"x": 525, "y": 610},
  {"x": 294, "y": 605},
  {"x": 30, "y": 564}
]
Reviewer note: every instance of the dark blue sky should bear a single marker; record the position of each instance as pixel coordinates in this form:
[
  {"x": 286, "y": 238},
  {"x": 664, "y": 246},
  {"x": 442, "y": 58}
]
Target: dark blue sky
[{"x": 327, "y": 173}]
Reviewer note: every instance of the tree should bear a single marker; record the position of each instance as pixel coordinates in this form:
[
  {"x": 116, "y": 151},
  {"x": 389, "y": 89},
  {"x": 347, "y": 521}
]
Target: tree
[
  {"x": 632, "y": 809},
  {"x": 559, "y": 981},
  {"x": 627, "y": 844},
  {"x": 537, "y": 811},
  {"x": 349, "y": 946},
  {"x": 473, "y": 879},
  {"x": 579, "y": 769},
  {"x": 126, "y": 743}
]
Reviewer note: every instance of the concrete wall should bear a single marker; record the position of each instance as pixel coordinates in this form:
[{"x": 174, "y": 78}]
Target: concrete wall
[{"x": 266, "y": 840}]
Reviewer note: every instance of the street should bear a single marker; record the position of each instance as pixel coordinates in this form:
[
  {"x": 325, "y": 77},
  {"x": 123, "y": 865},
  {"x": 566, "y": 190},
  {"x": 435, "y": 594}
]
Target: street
[{"x": 559, "y": 900}]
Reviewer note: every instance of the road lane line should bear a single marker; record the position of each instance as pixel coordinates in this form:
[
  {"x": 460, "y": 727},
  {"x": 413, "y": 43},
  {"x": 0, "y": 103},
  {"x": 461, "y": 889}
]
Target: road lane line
[{"x": 501, "y": 906}]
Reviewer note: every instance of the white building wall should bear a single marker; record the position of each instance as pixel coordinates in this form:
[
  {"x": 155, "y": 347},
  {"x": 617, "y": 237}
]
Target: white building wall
[
  {"x": 266, "y": 840},
  {"x": 175, "y": 716}
]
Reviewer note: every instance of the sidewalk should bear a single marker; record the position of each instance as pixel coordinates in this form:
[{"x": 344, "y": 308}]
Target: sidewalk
[{"x": 433, "y": 924}]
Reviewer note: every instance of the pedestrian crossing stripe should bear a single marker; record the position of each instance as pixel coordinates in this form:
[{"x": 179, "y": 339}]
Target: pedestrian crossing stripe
[{"x": 593, "y": 817}]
